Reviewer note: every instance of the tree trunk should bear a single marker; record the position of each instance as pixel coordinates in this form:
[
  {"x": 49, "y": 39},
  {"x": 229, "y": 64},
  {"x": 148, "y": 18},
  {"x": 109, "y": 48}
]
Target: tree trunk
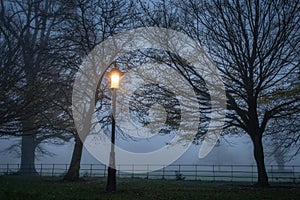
[
  {"x": 73, "y": 171},
  {"x": 28, "y": 155},
  {"x": 262, "y": 180}
]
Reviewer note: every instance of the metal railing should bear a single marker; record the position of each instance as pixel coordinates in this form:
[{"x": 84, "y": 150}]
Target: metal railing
[{"x": 247, "y": 173}]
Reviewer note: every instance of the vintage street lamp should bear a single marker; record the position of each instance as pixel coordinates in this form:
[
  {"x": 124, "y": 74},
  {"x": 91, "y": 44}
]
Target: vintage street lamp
[{"x": 115, "y": 75}]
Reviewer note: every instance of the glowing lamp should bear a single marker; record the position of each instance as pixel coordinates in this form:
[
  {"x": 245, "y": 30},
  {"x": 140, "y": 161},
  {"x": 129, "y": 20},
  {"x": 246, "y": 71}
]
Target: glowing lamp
[{"x": 115, "y": 75}]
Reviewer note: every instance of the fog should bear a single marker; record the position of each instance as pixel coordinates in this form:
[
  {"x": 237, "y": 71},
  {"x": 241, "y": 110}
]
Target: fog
[{"x": 233, "y": 150}]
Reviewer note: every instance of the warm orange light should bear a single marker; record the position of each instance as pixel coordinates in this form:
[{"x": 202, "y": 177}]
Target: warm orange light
[
  {"x": 115, "y": 75},
  {"x": 115, "y": 81}
]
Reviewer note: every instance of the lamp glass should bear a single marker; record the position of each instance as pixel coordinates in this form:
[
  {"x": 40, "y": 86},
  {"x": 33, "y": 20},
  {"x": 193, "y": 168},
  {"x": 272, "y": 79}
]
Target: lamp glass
[{"x": 115, "y": 81}]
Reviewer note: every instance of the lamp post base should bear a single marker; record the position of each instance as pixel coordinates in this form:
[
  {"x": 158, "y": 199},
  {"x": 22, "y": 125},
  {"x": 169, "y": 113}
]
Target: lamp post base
[{"x": 111, "y": 180}]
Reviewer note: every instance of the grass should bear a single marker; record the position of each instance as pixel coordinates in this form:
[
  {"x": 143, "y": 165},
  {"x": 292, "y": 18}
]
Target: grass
[{"x": 52, "y": 188}]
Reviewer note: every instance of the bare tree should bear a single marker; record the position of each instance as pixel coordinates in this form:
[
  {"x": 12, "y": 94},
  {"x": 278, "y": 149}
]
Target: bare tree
[
  {"x": 253, "y": 44},
  {"x": 90, "y": 23},
  {"x": 34, "y": 62}
]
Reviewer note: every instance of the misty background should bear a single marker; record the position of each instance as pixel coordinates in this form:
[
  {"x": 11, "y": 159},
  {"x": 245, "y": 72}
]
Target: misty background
[{"x": 231, "y": 150}]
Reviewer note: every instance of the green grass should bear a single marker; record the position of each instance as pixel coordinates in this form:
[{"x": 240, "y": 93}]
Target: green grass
[{"x": 52, "y": 188}]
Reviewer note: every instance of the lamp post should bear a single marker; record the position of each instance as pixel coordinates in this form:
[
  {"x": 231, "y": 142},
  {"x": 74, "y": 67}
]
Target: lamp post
[{"x": 114, "y": 75}]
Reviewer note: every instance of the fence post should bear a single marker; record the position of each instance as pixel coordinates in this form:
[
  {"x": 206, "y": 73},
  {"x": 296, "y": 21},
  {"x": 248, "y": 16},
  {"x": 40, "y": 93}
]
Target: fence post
[
  {"x": 252, "y": 174},
  {"x": 53, "y": 169},
  {"x": 272, "y": 172},
  {"x": 231, "y": 173},
  {"x": 91, "y": 169},
  {"x": 132, "y": 172},
  {"x": 41, "y": 170},
  {"x": 214, "y": 172},
  {"x": 147, "y": 171},
  {"x": 163, "y": 175},
  {"x": 294, "y": 179},
  {"x": 196, "y": 173},
  {"x": 104, "y": 173}
]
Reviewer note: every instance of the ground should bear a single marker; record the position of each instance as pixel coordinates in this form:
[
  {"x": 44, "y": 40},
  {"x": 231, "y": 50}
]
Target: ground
[{"x": 13, "y": 187}]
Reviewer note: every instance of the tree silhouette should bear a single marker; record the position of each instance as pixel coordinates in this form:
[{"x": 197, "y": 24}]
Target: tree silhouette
[{"x": 253, "y": 44}]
